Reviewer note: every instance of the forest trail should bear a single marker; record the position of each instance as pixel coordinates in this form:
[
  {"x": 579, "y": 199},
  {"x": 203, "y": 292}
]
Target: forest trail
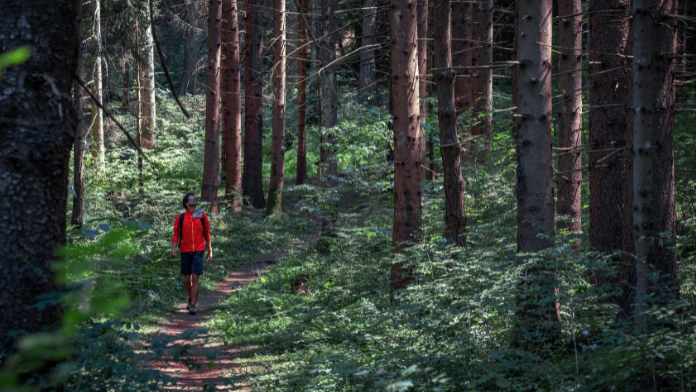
[{"x": 181, "y": 323}]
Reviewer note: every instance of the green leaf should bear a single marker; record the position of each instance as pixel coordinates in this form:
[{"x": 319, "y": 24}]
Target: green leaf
[{"x": 14, "y": 57}]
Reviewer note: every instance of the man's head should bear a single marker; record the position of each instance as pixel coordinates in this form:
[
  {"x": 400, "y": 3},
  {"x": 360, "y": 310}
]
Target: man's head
[{"x": 189, "y": 201}]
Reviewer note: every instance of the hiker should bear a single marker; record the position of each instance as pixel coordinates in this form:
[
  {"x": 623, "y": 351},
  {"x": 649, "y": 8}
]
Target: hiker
[{"x": 192, "y": 235}]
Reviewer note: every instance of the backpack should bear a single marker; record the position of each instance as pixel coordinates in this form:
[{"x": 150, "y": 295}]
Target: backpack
[{"x": 181, "y": 226}]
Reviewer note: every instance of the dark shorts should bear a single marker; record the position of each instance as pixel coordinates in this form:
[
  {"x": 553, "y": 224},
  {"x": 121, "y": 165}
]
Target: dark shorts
[{"x": 192, "y": 263}]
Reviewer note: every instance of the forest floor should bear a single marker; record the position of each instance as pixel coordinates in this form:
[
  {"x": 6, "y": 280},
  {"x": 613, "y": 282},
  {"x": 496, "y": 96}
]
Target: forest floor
[{"x": 209, "y": 364}]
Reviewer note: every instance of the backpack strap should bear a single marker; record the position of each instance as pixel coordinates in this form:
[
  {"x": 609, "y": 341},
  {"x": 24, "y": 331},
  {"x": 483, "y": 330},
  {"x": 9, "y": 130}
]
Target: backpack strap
[{"x": 181, "y": 228}]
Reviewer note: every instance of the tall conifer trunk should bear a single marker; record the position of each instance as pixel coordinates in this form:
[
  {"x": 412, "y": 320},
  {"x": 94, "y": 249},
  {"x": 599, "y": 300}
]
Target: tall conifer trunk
[
  {"x": 408, "y": 155},
  {"x": 654, "y": 38},
  {"x": 484, "y": 81},
  {"x": 450, "y": 149},
  {"x": 97, "y": 113},
  {"x": 302, "y": 60},
  {"x": 231, "y": 106},
  {"x": 610, "y": 128},
  {"x": 78, "y": 151},
  {"x": 275, "y": 188},
  {"x": 422, "y": 25},
  {"x": 569, "y": 179},
  {"x": 147, "y": 77},
  {"x": 252, "y": 184},
  {"x": 329, "y": 85},
  {"x": 462, "y": 27},
  {"x": 211, "y": 160},
  {"x": 367, "y": 55},
  {"x": 193, "y": 38},
  {"x": 535, "y": 202},
  {"x": 37, "y": 129}
]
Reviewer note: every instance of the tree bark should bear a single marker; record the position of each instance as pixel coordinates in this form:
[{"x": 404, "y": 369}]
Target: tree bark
[
  {"x": 367, "y": 55},
  {"x": 126, "y": 84},
  {"x": 408, "y": 155},
  {"x": 484, "y": 81},
  {"x": 194, "y": 38},
  {"x": 78, "y": 151},
  {"x": 462, "y": 57},
  {"x": 610, "y": 129},
  {"x": 232, "y": 107},
  {"x": 450, "y": 149},
  {"x": 535, "y": 204},
  {"x": 149, "y": 113},
  {"x": 569, "y": 206},
  {"x": 37, "y": 129},
  {"x": 97, "y": 113},
  {"x": 422, "y": 26},
  {"x": 275, "y": 188},
  {"x": 211, "y": 160},
  {"x": 252, "y": 185},
  {"x": 329, "y": 85},
  {"x": 302, "y": 57},
  {"x": 654, "y": 35}
]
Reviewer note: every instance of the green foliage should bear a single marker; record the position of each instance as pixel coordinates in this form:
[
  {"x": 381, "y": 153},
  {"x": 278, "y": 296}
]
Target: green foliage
[{"x": 14, "y": 57}]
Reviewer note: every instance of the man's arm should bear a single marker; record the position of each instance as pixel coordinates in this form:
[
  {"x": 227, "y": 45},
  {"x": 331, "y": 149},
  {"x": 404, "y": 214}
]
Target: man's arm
[
  {"x": 175, "y": 238},
  {"x": 206, "y": 236}
]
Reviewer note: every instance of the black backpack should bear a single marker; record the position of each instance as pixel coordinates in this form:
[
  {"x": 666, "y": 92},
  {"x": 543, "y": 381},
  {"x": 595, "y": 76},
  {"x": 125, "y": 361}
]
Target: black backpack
[{"x": 181, "y": 227}]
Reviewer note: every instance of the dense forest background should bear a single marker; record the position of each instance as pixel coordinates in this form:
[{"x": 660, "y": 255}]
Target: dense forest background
[{"x": 494, "y": 195}]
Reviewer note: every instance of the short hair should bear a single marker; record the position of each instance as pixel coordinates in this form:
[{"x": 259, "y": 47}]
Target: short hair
[{"x": 186, "y": 198}]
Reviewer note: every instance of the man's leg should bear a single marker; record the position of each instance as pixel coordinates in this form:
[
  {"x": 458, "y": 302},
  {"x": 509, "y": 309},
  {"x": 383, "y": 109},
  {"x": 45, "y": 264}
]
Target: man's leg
[
  {"x": 194, "y": 288},
  {"x": 187, "y": 284}
]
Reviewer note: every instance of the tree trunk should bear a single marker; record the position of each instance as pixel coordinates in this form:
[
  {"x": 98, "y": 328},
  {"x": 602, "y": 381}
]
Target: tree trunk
[
  {"x": 231, "y": 107},
  {"x": 610, "y": 130},
  {"x": 211, "y": 160},
  {"x": 408, "y": 155},
  {"x": 149, "y": 115},
  {"x": 252, "y": 184},
  {"x": 97, "y": 113},
  {"x": 275, "y": 188},
  {"x": 194, "y": 38},
  {"x": 126, "y": 84},
  {"x": 535, "y": 204},
  {"x": 422, "y": 25},
  {"x": 329, "y": 85},
  {"x": 569, "y": 207},
  {"x": 37, "y": 134},
  {"x": 654, "y": 35},
  {"x": 484, "y": 81},
  {"x": 78, "y": 152},
  {"x": 461, "y": 54},
  {"x": 367, "y": 55},
  {"x": 462, "y": 57},
  {"x": 450, "y": 149},
  {"x": 302, "y": 56}
]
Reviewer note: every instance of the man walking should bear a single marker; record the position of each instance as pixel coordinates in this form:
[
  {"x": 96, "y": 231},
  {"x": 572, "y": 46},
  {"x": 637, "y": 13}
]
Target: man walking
[{"x": 192, "y": 235}]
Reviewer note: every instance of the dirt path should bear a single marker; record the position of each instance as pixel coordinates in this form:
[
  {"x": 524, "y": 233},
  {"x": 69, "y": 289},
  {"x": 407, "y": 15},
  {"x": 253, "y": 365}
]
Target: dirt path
[{"x": 180, "y": 322}]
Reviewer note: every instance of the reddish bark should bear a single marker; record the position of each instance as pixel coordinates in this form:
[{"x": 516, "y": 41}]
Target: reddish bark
[
  {"x": 610, "y": 130},
  {"x": 302, "y": 57},
  {"x": 275, "y": 188},
  {"x": 462, "y": 54},
  {"x": 455, "y": 215},
  {"x": 211, "y": 160},
  {"x": 569, "y": 207},
  {"x": 231, "y": 107},
  {"x": 252, "y": 185},
  {"x": 408, "y": 156},
  {"x": 422, "y": 25}
]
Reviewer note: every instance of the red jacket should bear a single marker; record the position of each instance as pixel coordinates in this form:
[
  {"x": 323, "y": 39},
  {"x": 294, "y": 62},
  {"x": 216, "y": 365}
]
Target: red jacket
[{"x": 194, "y": 234}]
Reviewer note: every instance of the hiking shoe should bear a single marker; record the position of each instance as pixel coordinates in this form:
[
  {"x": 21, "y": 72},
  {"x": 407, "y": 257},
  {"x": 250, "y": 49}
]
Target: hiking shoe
[
  {"x": 192, "y": 309},
  {"x": 188, "y": 304}
]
